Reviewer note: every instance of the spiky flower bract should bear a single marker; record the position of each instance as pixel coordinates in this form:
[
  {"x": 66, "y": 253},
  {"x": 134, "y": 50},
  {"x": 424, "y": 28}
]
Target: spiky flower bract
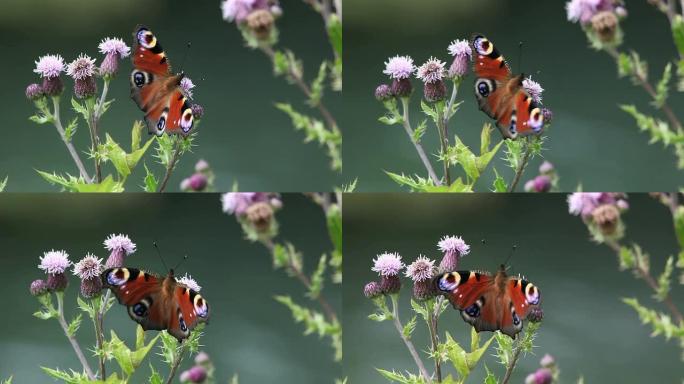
[
  {"x": 534, "y": 89},
  {"x": 431, "y": 71},
  {"x": 88, "y": 267}
]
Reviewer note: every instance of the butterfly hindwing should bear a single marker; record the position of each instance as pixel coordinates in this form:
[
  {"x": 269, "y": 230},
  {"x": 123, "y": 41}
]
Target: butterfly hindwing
[{"x": 191, "y": 309}]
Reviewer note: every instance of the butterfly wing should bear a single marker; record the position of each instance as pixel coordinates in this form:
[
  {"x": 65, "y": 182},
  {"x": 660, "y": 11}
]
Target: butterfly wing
[
  {"x": 155, "y": 89},
  {"x": 189, "y": 309},
  {"x": 500, "y": 94},
  {"x": 140, "y": 292},
  {"x": 473, "y": 294},
  {"x": 520, "y": 298}
]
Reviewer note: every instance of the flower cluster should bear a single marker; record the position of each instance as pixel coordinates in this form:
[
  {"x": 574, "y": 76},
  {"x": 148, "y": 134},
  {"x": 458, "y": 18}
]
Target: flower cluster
[
  {"x": 257, "y": 16},
  {"x": 200, "y": 181},
  {"x": 421, "y": 271},
  {"x": 254, "y": 210},
  {"x": 201, "y": 372},
  {"x": 601, "y": 211},
  {"x": 599, "y": 18},
  {"x": 545, "y": 181},
  {"x": 88, "y": 270},
  {"x": 546, "y": 374}
]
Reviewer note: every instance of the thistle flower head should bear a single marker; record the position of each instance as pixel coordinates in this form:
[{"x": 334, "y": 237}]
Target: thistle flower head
[
  {"x": 49, "y": 66},
  {"x": 541, "y": 376},
  {"x": 84, "y": 88},
  {"x": 54, "y": 262},
  {"x": 434, "y": 91},
  {"x": 34, "y": 92},
  {"x": 399, "y": 67},
  {"x": 546, "y": 167},
  {"x": 388, "y": 264},
  {"x": 202, "y": 358},
  {"x": 584, "y": 10},
  {"x": 431, "y": 71},
  {"x": 186, "y": 86},
  {"x": 81, "y": 68},
  {"x": 421, "y": 269},
  {"x": 111, "y": 46},
  {"x": 38, "y": 287},
  {"x": 547, "y": 361},
  {"x": 238, "y": 10},
  {"x": 197, "y": 110},
  {"x": 583, "y": 203},
  {"x": 460, "y": 48},
  {"x": 88, "y": 267},
  {"x": 534, "y": 89},
  {"x": 91, "y": 287},
  {"x": 119, "y": 242},
  {"x": 382, "y": 92},
  {"x": 238, "y": 202},
  {"x": 202, "y": 166},
  {"x": 198, "y": 182},
  {"x": 189, "y": 282},
  {"x": 539, "y": 184},
  {"x": 453, "y": 244},
  {"x": 372, "y": 290}
]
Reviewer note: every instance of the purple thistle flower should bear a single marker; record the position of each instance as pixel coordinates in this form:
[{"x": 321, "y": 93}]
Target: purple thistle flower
[
  {"x": 583, "y": 203},
  {"x": 186, "y": 86},
  {"x": 91, "y": 287},
  {"x": 120, "y": 246},
  {"x": 541, "y": 376},
  {"x": 462, "y": 53},
  {"x": 388, "y": 264},
  {"x": 536, "y": 315},
  {"x": 546, "y": 167},
  {"x": 197, "y": 111},
  {"x": 584, "y": 10},
  {"x": 114, "y": 49},
  {"x": 622, "y": 205},
  {"x": 85, "y": 88},
  {"x": 197, "y": 374},
  {"x": 401, "y": 87},
  {"x": 534, "y": 89},
  {"x": 399, "y": 67},
  {"x": 54, "y": 262},
  {"x": 539, "y": 184},
  {"x": 423, "y": 290},
  {"x": 431, "y": 71},
  {"x": 202, "y": 166},
  {"x": 548, "y": 115},
  {"x": 189, "y": 282},
  {"x": 198, "y": 182},
  {"x": 434, "y": 91},
  {"x": 238, "y": 202},
  {"x": 57, "y": 282},
  {"x": 372, "y": 290},
  {"x": 238, "y": 10},
  {"x": 49, "y": 66},
  {"x": 88, "y": 267},
  {"x": 81, "y": 68},
  {"x": 38, "y": 287},
  {"x": 383, "y": 92},
  {"x": 202, "y": 358},
  {"x": 547, "y": 361},
  {"x": 453, "y": 247},
  {"x": 421, "y": 269},
  {"x": 34, "y": 92}
]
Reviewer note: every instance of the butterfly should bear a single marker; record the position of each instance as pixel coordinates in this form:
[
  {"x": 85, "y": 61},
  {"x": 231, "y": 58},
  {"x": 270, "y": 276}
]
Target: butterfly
[
  {"x": 501, "y": 95},
  {"x": 157, "y": 303},
  {"x": 156, "y": 89},
  {"x": 487, "y": 302}
]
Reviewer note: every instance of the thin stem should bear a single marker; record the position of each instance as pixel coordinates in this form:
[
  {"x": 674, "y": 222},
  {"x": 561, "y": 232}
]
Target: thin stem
[
  {"x": 99, "y": 330},
  {"x": 434, "y": 338},
  {"x": 444, "y": 143},
  {"x": 509, "y": 369},
  {"x": 171, "y": 165},
  {"x": 72, "y": 339},
  {"x": 409, "y": 344},
  {"x": 643, "y": 82},
  {"x": 327, "y": 308},
  {"x": 297, "y": 78},
  {"x": 646, "y": 276},
  {"x": 176, "y": 362},
  {"x": 521, "y": 166},
  {"x": 419, "y": 147},
  {"x": 94, "y": 122},
  {"x": 69, "y": 144}
]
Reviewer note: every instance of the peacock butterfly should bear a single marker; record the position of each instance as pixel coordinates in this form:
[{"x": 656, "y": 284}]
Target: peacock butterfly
[
  {"x": 156, "y": 89},
  {"x": 157, "y": 303},
  {"x": 487, "y": 302},
  {"x": 501, "y": 95}
]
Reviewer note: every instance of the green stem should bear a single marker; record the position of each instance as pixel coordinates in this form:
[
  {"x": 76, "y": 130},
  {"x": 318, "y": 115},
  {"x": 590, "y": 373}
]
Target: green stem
[
  {"x": 521, "y": 167},
  {"x": 99, "y": 329},
  {"x": 511, "y": 366},
  {"x": 72, "y": 339},
  {"x": 419, "y": 148},
  {"x": 434, "y": 338},
  {"x": 70, "y": 146},
  {"x": 171, "y": 165},
  {"x": 444, "y": 143},
  {"x": 407, "y": 342},
  {"x": 176, "y": 362}
]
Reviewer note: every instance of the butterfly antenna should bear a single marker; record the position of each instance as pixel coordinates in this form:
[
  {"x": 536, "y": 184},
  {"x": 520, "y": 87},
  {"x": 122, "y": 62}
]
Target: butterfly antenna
[
  {"x": 510, "y": 254},
  {"x": 180, "y": 262},
  {"x": 156, "y": 247},
  {"x": 520, "y": 49},
  {"x": 187, "y": 49}
]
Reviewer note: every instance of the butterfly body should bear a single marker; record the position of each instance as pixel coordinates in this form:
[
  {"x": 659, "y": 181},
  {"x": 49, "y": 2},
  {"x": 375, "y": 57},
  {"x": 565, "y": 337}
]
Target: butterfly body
[
  {"x": 487, "y": 302},
  {"x": 157, "y": 303},
  {"x": 156, "y": 90},
  {"x": 501, "y": 95}
]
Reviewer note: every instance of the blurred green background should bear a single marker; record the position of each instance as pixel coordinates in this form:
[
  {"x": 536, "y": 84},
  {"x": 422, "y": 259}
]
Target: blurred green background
[
  {"x": 586, "y": 326},
  {"x": 242, "y": 135},
  {"x": 249, "y": 333},
  {"x": 591, "y": 141}
]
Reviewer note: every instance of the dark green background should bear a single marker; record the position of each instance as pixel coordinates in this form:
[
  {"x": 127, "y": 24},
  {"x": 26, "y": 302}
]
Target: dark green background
[
  {"x": 591, "y": 141},
  {"x": 242, "y": 135},
  {"x": 249, "y": 333},
  {"x": 586, "y": 326}
]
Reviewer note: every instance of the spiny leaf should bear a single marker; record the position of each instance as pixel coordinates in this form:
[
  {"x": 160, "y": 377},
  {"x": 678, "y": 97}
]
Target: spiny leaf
[
  {"x": 663, "y": 87},
  {"x": 3, "y": 184},
  {"x": 664, "y": 280}
]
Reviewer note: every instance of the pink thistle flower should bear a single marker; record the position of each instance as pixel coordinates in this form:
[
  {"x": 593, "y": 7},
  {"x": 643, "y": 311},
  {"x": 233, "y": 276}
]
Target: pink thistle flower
[
  {"x": 54, "y": 262},
  {"x": 202, "y": 358},
  {"x": 238, "y": 10},
  {"x": 421, "y": 269},
  {"x": 34, "y": 92},
  {"x": 372, "y": 290},
  {"x": 547, "y": 361},
  {"x": 453, "y": 247},
  {"x": 109, "y": 46},
  {"x": 238, "y": 202},
  {"x": 38, "y": 287},
  {"x": 388, "y": 264},
  {"x": 186, "y": 86},
  {"x": 539, "y": 184},
  {"x": 382, "y": 93},
  {"x": 49, "y": 66},
  {"x": 202, "y": 166},
  {"x": 431, "y": 71},
  {"x": 120, "y": 246},
  {"x": 541, "y": 376},
  {"x": 583, "y": 203},
  {"x": 399, "y": 67},
  {"x": 462, "y": 53},
  {"x": 546, "y": 167},
  {"x": 88, "y": 267},
  {"x": 534, "y": 89},
  {"x": 189, "y": 282},
  {"x": 584, "y": 10},
  {"x": 197, "y": 110},
  {"x": 82, "y": 67}
]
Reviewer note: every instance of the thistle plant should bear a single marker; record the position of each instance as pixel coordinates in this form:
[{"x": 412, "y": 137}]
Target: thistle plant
[
  {"x": 546, "y": 181},
  {"x": 90, "y": 106},
  {"x": 256, "y": 20},
  {"x": 94, "y": 302},
  {"x": 600, "y": 20},
  {"x": 602, "y": 213},
  {"x": 200, "y": 181},
  {"x": 443, "y": 352},
  {"x": 440, "y": 103},
  {"x": 256, "y": 213}
]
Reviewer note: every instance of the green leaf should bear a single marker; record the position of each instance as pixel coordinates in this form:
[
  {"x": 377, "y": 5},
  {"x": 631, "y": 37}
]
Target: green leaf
[
  {"x": 80, "y": 109},
  {"x": 155, "y": 377},
  {"x": 664, "y": 280},
  {"x": 392, "y": 115},
  {"x": 3, "y": 184},
  {"x": 40, "y": 118},
  {"x": 429, "y": 110},
  {"x": 499, "y": 183},
  {"x": 107, "y": 185},
  {"x": 625, "y": 67},
  {"x": 8, "y": 380},
  {"x": 678, "y": 217},
  {"x": 663, "y": 87},
  {"x": 69, "y": 378},
  {"x": 351, "y": 187},
  {"x": 141, "y": 350},
  {"x": 661, "y": 324},
  {"x": 71, "y": 129},
  {"x": 678, "y": 33},
  {"x": 317, "y": 86},
  {"x": 150, "y": 181},
  {"x": 74, "y": 325},
  {"x": 334, "y": 224},
  {"x": 490, "y": 378},
  {"x": 334, "y": 25},
  {"x": 317, "y": 278},
  {"x": 419, "y": 131},
  {"x": 421, "y": 310},
  {"x": 122, "y": 354},
  {"x": 627, "y": 259},
  {"x": 409, "y": 327}
]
